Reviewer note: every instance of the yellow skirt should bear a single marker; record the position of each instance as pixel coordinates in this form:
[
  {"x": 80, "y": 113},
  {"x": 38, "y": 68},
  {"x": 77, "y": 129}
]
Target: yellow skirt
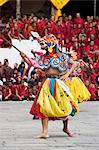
[
  {"x": 78, "y": 89},
  {"x": 56, "y": 100}
]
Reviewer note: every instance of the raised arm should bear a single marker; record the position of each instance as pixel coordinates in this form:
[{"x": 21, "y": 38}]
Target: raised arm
[
  {"x": 30, "y": 61},
  {"x": 26, "y": 59}
]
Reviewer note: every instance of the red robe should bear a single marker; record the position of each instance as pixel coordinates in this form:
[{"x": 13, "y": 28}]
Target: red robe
[
  {"x": 79, "y": 21},
  {"x": 25, "y": 33},
  {"x": 90, "y": 49},
  {"x": 97, "y": 42},
  {"x": 13, "y": 92},
  {"x": 22, "y": 90},
  {"x": 68, "y": 26},
  {"x": 41, "y": 26},
  {"x": 15, "y": 33},
  {"x": 92, "y": 90},
  {"x": 68, "y": 46},
  {"x": 5, "y": 91},
  {"x": 93, "y": 78}
]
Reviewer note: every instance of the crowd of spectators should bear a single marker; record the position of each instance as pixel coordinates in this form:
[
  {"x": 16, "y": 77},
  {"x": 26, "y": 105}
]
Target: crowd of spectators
[
  {"x": 15, "y": 84},
  {"x": 78, "y": 34}
]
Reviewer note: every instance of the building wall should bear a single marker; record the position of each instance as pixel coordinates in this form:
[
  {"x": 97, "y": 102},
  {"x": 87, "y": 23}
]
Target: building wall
[
  {"x": 39, "y": 7},
  {"x": 9, "y": 8}
]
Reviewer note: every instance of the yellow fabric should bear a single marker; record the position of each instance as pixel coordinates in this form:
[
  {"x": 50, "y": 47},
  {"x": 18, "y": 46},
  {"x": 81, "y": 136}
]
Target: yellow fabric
[
  {"x": 3, "y": 2},
  {"x": 59, "y": 106},
  {"x": 59, "y": 4},
  {"x": 50, "y": 49},
  {"x": 78, "y": 89},
  {"x": 24, "y": 73},
  {"x": 58, "y": 13},
  {"x": 64, "y": 99}
]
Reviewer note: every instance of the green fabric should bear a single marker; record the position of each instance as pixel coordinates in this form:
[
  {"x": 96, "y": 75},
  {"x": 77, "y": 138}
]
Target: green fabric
[
  {"x": 52, "y": 86},
  {"x": 73, "y": 111},
  {"x": 57, "y": 50}
]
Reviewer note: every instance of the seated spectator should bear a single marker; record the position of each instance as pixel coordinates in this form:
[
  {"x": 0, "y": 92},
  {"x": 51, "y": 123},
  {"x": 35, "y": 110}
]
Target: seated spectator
[
  {"x": 93, "y": 90},
  {"x": 22, "y": 92},
  {"x": 22, "y": 69},
  {"x": 91, "y": 48},
  {"x": 6, "y": 92},
  {"x": 5, "y": 33},
  {"x": 14, "y": 32},
  {"x": 18, "y": 77},
  {"x": 25, "y": 32}
]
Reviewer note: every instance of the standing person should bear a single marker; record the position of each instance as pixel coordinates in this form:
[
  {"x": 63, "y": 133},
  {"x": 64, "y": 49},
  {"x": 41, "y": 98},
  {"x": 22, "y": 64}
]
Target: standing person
[
  {"x": 6, "y": 72},
  {"x": 54, "y": 98},
  {"x": 78, "y": 19}
]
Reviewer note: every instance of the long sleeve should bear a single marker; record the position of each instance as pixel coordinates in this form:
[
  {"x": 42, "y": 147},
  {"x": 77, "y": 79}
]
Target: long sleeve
[{"x": 30, "y": 61}]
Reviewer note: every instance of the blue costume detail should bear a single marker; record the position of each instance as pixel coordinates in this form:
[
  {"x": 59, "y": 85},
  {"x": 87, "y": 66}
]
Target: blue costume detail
[{"x": 62, "y": 62}]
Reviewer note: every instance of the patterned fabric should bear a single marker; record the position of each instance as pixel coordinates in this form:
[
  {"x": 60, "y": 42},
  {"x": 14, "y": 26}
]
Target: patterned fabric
[
  {"x": 60, "y": 61},
  {"x": 58, "y": 99},
  {"x": 54, "y": 100}
]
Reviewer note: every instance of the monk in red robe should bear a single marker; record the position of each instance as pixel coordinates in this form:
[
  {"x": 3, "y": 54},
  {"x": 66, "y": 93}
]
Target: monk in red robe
[
  {"x": 90, "y": 49},
  {"x": 92, "y": 90},
  {"x": 6, "y": 92},
  {"x": 78, "y": 19},
  {"x": 22, "y": 91}
]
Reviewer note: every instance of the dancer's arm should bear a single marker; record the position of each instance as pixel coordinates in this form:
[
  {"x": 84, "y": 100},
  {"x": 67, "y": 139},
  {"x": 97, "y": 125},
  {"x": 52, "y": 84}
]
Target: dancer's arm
[
  {"x": 30, "y": 61},
  {"x": 76, "y": 64},
  {"x": 71, "y": 62},
  {"x": 26, "y": 59}
]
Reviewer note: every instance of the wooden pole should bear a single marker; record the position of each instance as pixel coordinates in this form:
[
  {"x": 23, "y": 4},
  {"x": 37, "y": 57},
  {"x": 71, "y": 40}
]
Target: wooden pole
[
  {"x": 18, "y": 7},
  {"x": 95, "y": 1}
]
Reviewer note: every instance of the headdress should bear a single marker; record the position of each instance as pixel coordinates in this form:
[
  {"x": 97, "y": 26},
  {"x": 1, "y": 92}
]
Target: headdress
[{"x": 49, "y": 43}]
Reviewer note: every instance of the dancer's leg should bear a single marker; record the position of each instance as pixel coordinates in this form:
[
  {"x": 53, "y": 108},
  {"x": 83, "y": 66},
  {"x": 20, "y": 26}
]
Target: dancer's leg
[
  {"x": 42, "y": 125},
  {"x": 45, "y": 125},
  {"x": 66, "y": 128},
  {"x": 44, "y": 133}
]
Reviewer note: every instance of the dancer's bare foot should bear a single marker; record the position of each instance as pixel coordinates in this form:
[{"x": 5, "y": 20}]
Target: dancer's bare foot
[
  {"x": 43, "y": 135},
  {"x": 68, "y": 132}
]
